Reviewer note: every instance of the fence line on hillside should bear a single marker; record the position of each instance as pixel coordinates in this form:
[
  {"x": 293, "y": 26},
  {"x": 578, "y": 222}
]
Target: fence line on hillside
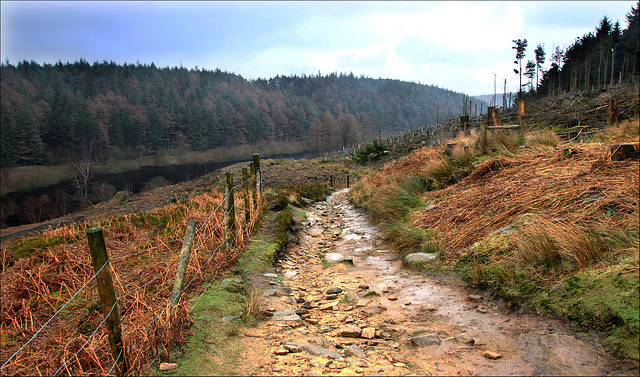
[
  {"x": 229, "y": 242},
  {"x": 594, "y": 118}
]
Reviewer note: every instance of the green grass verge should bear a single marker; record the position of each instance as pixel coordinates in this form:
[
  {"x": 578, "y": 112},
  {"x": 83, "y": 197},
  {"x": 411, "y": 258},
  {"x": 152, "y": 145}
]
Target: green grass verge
[
  {"x": 216, "y": 347},
  {"x": 213, "y": 339}
]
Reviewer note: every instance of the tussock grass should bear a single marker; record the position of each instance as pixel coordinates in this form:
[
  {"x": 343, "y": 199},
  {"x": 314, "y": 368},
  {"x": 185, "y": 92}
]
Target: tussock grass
[
  {"x": 437, "y": 172},
  {"x": 628, "y": 130},
  {"x": 396, "y": 199},
  {"x": 407, "y": 240},
  {"x": 503, "y": 141},
  {"x": 251, "y": 304},
  {"x": 545, "y": 138},
  {"x": 535, "y": 227},
  {"x": 464, "y": 151}
]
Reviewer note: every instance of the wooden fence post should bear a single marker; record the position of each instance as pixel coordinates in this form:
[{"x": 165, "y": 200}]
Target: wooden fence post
[
  {"x": 258, "y": 172},
  {"x": 464, "y": 119},
  {"x": 183, "y": 262},
  {"x": 247, "y": 197},
  {"x": 348, "y": 179},
  {"x": 523, "y": 129},
  {"x": 99, "y": 258},
  {"x": 613, "y": 113},
  {"x": 230, "y": 212},
  {"x": 483, "y": 132},
  {"x": 495, "y": 116},
  {"x": 331, "y": 180},
  {"x": 252, "y": 177}
]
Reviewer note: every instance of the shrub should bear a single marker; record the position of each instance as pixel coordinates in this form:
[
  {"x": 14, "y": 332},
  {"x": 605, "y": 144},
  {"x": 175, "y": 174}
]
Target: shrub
[{"x": 362, "y": 154}]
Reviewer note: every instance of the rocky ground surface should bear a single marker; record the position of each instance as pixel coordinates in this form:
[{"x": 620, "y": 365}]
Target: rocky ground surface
[{"x": 342, "y": 303}]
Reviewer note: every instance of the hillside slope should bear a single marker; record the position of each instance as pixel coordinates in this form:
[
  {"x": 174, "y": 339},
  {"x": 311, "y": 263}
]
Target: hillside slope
[
  {"x": 549, "y": 227},
  {"x": 54, "y": 113}
]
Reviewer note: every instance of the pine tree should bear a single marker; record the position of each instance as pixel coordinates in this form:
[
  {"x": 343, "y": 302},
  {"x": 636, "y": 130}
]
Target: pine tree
[
  {"x": 631, "y": 40},
  {"x": 602, "y": 35},
  {"x": 8, "y": 155},
  {"x": 29, "y": 145},
  {"x": 520, "y": 47},
  {"x": 540, "y": 58},
  {"x": 530, "y": 72}
]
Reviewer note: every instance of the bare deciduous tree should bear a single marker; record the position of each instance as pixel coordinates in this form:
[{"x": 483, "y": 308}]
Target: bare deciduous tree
[{"x": 81, "y": 170}]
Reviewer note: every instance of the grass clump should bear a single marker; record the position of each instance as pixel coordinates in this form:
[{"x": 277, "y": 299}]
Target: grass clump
[
  {"x": 437, "y": 172},
  {"x": 464, "y": 151},
  {"x": 503, "y": 141},
  {"x": 313, "y": 191},
  {"x": 396, "y": 200},
  {"x": 546, "y": 138},
  {"x": 284, "y": 222},
  {"x": 407, "y": 240},
  {"x": 627, "y": 130},
  {"x": 555, "y": 245}
]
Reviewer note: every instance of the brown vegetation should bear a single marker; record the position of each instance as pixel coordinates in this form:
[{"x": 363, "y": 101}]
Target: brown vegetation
[{"x": 143, "y": 248}]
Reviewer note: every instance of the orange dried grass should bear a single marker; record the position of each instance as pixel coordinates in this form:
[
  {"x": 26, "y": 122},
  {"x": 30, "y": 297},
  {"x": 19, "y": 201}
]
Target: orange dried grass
[
  {"x": 576, "y": 189},
  {"x": 28, "y": 288}
]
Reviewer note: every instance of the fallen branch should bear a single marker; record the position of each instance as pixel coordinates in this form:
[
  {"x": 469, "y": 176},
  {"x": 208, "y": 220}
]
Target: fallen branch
[{"x": 626, "y": 272}]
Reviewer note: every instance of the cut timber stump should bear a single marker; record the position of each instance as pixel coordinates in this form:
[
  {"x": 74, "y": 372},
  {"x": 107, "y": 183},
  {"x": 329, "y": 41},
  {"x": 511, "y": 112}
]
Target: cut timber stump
[{"x": 625, "y": 151}]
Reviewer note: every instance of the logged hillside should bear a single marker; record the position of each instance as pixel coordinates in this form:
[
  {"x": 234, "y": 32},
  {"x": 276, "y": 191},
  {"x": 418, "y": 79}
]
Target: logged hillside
[
  {"x": 547, "y": 225},
  {"x": 54, "y": 113}
]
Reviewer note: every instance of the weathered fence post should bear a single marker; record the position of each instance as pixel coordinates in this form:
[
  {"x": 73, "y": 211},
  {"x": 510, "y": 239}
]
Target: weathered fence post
[
  {"x": 183, "y": 262},
  {"x": 483, "y": 132},
  {"x": 247, "y": 198},
  {"x": 523, "y": 130},
  {"x": 613, "y": 113},
  {"x": 102, "y": 269},
  {"x": 253, "y": 185},
  {"x": 331, "y": 180},
  {"x": 495, "y": 116},
  {"x": 258, "y": 175},
  {"x": 230, "y": 212},
  {"x": 464, "y": 119}
]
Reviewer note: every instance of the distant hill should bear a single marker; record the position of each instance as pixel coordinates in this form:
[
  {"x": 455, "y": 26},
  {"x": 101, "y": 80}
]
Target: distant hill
[
  {"x": 488, "y": 99},
  {"x": 53, "y": 113}
]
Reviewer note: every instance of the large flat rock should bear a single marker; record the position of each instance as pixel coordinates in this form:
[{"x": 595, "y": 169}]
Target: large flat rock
[{"x": 315, "y": 350}]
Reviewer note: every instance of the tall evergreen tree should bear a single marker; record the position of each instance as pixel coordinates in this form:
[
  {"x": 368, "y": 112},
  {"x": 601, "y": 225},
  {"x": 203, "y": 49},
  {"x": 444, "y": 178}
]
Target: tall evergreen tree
[
  {"x": 520, "y": 47},
  {"x": 8, "y": 154},
  {"x": 29, "y": 145},
  {"x": 540, "y": 58}
]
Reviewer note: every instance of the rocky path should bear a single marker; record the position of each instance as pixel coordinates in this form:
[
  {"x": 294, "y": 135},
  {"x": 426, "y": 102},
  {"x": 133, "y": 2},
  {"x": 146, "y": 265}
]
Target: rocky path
[{"x": 343, "y": 304}]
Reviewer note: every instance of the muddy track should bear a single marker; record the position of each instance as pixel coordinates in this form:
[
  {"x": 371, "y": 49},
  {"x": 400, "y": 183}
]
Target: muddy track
[{"x": 369, "y": 315}]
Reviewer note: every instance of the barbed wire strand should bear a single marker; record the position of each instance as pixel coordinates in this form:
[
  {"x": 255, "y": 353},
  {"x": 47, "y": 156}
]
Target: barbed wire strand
[
  {"x": 54, "y": 315},
  {"x": 115, "y": 304},
  {"x": 163, "y": 243}
]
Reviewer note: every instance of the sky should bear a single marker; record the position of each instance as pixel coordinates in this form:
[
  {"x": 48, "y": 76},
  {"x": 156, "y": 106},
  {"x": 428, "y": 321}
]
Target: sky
[{"x": 457, "y": 45}]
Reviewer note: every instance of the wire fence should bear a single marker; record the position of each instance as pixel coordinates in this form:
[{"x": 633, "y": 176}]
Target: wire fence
[
  {"x": 72, "y": 340},
  {"x": 570, "y": 115}
]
